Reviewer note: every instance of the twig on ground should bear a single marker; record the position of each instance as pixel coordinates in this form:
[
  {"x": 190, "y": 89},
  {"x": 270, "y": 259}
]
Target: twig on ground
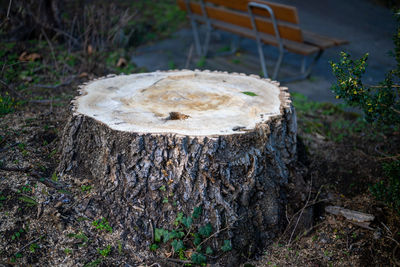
[
  {"x": 37, "y": 20},
  {"x": 42, "y": 101},
  {"x": 14, "y": 169},
  {"x": 47, "y": 181},
  {"x": 7, "y": 148},
  {"x": 294, "y": 215},
  {"x": 301, "y": 213},
  {"x": 178, "y": 261},
  {"x": 214, "y": 234},
  {"x": 30, "y": 243},
  {"x": 387, "y": 228},
  {"x": 382, "y": 86},
  {"x": 379, "y": 152},
  {"x": 5, "y": 85},
  {"x": 8, "y": 14},
  {"x": 55, "y": 86},
  {"x": 389, "y": 157},
  {"x": 36, "y": 175}
]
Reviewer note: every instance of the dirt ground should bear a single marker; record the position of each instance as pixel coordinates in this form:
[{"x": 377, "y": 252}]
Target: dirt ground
[
  {"x": 43, "y": 223},
  {"x": 47, "y": 221}
]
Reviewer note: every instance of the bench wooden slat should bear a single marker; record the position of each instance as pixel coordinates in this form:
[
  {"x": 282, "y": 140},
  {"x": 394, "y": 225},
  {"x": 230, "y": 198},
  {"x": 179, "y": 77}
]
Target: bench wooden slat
[
  {"x": 281, "y": 11},
  {"x": 321, "y": 40},
  {"x": 295, "y": 47},
  {"x": 264, "y": 25}
]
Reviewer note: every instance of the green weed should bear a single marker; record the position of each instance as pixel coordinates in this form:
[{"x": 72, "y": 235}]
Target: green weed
[
  {"x": 86, "y": 188},
  {"x": 17, "y": 234},
  {"x": 189, "y": 234},
  {"x": 28, "y": 200},
  {"x": 201, "y": 63},
  {"x": 93, "y": 263},
  {"x": 104, "y": 252},
  {"x": 102, "y": 224},
  {"x": 33, "y": 247},
  {"x": 7, "y": 104}
]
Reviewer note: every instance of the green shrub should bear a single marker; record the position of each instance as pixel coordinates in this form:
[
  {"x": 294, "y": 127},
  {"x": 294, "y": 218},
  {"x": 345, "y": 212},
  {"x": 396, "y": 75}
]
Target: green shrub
[
  {"x": 380, "y": 105},
  {"x": 388, "y": 190}
]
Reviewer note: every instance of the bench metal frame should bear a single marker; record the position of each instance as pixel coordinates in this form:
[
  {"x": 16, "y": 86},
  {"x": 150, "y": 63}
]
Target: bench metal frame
[{"x": 203, "y": 50}]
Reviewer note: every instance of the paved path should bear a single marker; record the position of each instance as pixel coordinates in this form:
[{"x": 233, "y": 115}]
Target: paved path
[{"x": 368, "y": 27}]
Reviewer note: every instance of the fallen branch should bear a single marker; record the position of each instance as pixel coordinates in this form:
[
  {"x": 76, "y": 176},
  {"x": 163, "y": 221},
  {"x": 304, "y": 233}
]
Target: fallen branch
[{"x": 350, "y": 215}]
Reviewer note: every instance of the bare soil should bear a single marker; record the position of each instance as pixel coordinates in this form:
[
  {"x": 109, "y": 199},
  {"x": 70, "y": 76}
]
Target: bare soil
[{"x": 48, "y": 221}]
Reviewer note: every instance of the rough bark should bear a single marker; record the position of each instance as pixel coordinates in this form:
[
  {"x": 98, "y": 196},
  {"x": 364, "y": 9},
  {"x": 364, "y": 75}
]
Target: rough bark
[{"x": 236, "y": 178}]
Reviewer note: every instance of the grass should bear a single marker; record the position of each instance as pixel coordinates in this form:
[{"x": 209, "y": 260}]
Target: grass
[{"x": 330, "y": 121}]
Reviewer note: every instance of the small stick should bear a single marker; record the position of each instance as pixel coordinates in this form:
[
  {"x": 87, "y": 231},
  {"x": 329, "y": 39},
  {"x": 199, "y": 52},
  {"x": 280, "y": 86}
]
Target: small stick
[
  {"x": 66, "y": 82},
  {"x": 51, "y": 48},
  {"x": 9, "y": 9},
  {"x": 214, "y": 234},
  {"x": 178, "y": 261},
  {"x": 28, "y": 244},
  {"x": 301, "y": 213}
]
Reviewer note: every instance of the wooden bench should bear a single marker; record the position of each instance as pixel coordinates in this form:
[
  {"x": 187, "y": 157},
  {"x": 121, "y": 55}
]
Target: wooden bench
[{"x": 269, "y": 23}]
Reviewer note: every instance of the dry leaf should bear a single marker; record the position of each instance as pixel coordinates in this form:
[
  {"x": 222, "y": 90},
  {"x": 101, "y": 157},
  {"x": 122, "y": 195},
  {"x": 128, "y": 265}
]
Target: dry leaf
[
  {"x": 90, "y": 49},
  {"x": 22, "y": 56},
  {"x": 188, "y": 253},
  {"x": 83, "y": 74},
  {"x": 168, "y": 254},
  {"x": 33, "y": 56},
  {"x": 29, "y": 57},
  {"x": 121, "y": 62}
]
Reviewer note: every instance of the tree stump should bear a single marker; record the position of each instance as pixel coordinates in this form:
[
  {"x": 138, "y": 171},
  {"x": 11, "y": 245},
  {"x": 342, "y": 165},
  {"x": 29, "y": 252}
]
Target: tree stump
[{"x": 155, "y": 144}]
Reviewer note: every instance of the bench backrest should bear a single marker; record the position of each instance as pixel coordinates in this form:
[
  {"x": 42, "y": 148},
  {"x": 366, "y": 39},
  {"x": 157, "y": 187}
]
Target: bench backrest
[{"x": 236, "y": 12}]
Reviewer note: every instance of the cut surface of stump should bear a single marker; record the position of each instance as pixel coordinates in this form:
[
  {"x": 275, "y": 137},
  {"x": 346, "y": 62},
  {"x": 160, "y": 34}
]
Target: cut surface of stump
[
  {"x": 157, "y": 144},
  {"x": 210, "y": 104}
]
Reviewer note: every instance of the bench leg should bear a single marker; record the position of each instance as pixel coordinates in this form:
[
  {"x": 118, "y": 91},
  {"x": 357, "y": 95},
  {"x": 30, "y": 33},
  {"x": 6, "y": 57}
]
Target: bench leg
[
  {"x": 305, "y": 73},
  {"x": 278, "y": 65},
  {"x": 315, "y": 60},
  {"x": 303, "y": 65},
  {"x": 201, "y": 50},
  {"x": 196, "y": 36},
  {"x": 262, "y": 58},
  {"x": 207, "y": 41}
]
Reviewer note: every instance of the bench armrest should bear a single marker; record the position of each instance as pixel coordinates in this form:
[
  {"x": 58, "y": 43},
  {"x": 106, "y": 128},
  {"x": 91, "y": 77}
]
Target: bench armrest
[{"x": 250, "y": 7}]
